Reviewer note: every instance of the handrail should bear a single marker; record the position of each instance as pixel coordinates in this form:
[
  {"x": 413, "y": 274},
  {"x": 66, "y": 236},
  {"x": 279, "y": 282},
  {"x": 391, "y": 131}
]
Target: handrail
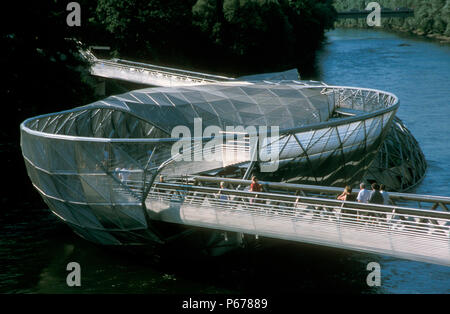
[
  {"x": 307, "y": 200},
  {"x": 394, "y": 106},
  {"x": 172, "y": 74},
  {"x": 320, "y": 189},
  {"x": 87, "y": 53},
  {"x": 181, "y": 71},
  {"x": 390, "y": 230}
]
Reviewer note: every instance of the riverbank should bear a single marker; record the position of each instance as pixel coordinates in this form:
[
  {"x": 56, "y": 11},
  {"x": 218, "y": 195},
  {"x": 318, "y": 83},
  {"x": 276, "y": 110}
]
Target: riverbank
[
  {"x": 437, "y": 37},
  {"x": 441, "y": 39},
  {"x": 431, "y": 18}
]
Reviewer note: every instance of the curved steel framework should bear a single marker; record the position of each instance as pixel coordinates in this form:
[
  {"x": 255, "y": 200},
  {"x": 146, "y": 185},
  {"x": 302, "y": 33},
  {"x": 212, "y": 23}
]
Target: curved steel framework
[
  {"x": 95, "y": 165},
  {"x": 400, "y": 163}
]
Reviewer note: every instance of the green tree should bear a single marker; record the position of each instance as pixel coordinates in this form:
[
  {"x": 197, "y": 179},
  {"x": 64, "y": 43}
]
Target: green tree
[
  {"x": 431, "y": 16},
  {"x": 267, "y": 32},
  {"x": 146, "y": 28}
]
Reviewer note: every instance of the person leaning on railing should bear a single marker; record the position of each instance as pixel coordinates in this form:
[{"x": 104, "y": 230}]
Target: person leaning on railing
[{"x": 347, "y": 195}]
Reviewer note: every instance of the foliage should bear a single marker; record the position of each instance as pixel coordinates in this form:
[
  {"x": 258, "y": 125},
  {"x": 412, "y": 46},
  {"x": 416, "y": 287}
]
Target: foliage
[
  {"x": 252, "y": 35},
  {"x": 144, "y": 28},
  {"x": 42, "y": 68},
  {"x": 430, "y": 16}
]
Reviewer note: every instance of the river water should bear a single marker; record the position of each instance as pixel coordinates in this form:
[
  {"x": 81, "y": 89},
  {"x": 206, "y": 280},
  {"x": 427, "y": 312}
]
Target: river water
[{"x": 35, "y": 247}]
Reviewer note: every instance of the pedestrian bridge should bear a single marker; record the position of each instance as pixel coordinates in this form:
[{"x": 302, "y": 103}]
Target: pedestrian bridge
[
  {"x": 144, "y": 73},
  {"x": 414, "y": 227},
  {"x": 384, "y": 12},
  {"x": 155, "y": 75}
]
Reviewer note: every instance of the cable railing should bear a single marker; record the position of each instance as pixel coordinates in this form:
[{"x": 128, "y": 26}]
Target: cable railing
[
  {"x": 425, "y": 202},
  {"x": 272, "y": 201},
  {"x": 400, "y": 231},
  {"x": 172, "y": 70},
  {"x": 149, "y": 71},
  {"x": 99, "y": 66}
]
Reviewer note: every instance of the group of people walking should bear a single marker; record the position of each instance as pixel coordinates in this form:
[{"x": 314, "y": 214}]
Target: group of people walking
[
  {"x": 254, "y": 187},
  {"x": 377, "y": 195}
]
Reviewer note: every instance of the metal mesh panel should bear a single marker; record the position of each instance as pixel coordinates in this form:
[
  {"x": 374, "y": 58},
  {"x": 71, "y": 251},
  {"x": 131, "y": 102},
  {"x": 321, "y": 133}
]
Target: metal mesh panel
[{"x": 94, "y": 165}]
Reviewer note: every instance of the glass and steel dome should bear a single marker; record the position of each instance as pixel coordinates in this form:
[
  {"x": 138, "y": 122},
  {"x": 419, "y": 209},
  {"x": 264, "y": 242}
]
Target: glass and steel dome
[
  {"x": 162, "y": 109},
  {"x": 95, "y": 165}
]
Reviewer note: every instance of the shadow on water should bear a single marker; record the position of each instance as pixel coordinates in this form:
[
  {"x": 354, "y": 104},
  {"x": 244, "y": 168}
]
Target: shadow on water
[
  {"x": 36, "y": 253},
  {"x": 35, "y": 248}
]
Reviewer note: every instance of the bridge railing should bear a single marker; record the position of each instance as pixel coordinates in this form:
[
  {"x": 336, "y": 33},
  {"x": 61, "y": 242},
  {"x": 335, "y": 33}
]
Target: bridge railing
[
  {"x": 172, "y": 70},
  {"x": 425, "y": 202},
  {"x": 150, "y": 70},
  {"x": 147, "y": 73},
  {"x": 394, "y": 230},
  {"x": 267, "y": 200},
  {"x": 385, "y": 13}
]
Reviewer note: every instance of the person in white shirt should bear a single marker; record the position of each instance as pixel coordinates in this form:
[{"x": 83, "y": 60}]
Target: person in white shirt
[
  {"x": 124, "y": 173},
  {"x": 363, "y": 195},
  {"x": 118, "y": 173},
  {"x": 385, "y": 194}
]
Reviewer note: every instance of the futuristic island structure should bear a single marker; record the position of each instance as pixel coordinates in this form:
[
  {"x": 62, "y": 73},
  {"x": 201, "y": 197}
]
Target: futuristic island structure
[
  {"x": 170, "y": 165},
  {"x": 97, "y": 166}
]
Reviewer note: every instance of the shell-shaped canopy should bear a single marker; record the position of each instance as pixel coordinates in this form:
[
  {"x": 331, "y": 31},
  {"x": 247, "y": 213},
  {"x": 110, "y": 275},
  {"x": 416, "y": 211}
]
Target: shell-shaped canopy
[{"x": 285, "y": 104}]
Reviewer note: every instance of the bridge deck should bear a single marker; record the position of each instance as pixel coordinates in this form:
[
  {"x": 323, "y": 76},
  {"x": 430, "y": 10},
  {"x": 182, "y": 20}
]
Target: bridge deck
[
  {"x": 400, "y": 231},
  {"x": 144, "y": 73}
]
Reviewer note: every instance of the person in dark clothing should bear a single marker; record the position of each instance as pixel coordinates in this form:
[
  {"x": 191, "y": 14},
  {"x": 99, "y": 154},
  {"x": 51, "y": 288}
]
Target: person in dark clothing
[{"x": 376, "y": 197}]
